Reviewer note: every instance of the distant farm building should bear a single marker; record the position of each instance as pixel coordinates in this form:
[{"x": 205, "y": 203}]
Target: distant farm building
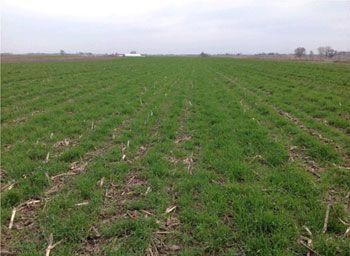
[{"x": 133, "y": 54}]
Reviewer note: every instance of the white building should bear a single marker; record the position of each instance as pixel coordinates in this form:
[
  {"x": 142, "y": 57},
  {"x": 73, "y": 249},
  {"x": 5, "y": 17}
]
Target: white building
[{"x": 132, "y": 55}]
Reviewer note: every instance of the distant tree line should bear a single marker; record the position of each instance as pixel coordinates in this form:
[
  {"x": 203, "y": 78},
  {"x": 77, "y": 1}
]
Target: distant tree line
[
  {"x": 63, "y": 52},
  {"x": 325, "y": 51}
]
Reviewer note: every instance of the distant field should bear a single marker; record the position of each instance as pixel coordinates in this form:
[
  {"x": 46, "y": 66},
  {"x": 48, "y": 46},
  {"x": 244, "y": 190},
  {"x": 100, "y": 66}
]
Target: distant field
[
  {"x": 175, "y": 156},
  {"x": 25, "y": 58}
]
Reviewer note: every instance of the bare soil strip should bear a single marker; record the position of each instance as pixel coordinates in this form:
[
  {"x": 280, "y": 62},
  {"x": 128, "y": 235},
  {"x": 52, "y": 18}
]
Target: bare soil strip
[{"x": 166, "y": 239}]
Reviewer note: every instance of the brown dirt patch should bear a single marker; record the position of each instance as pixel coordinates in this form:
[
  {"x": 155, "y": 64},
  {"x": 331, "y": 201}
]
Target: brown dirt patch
[
  {"x": 164, "y": 239},
  {"x": 25, "y": 218},
  {"x": 63, "y": 143},
  {"x": 182, "y": 138},
  {"x": 297, "y": 154}
]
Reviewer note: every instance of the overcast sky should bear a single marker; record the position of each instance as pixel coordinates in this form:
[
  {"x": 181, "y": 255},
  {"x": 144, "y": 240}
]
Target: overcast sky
[{"x": 178, "y": 26}]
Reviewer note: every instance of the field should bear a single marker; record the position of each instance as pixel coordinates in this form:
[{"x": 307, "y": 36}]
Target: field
[{"x": 175, "y": 156}]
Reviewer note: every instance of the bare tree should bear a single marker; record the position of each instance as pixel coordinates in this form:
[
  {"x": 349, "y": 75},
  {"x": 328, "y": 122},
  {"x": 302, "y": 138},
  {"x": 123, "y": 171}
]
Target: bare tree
[
  {"x": 203, "y": 54},
  {"x": 62, "y": 52},
  {"x": 330, "y": 52},
  {"x": 326, "y": 51},
  {"x": 300, "y": 51},
  {"x": 311, "y": 53}
]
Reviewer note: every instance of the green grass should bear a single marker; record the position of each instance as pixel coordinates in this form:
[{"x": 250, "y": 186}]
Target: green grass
[{"x": 229, "y": 142}]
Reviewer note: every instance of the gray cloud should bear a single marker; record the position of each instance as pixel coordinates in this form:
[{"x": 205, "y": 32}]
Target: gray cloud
[{"x": 188, "y": 27}]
